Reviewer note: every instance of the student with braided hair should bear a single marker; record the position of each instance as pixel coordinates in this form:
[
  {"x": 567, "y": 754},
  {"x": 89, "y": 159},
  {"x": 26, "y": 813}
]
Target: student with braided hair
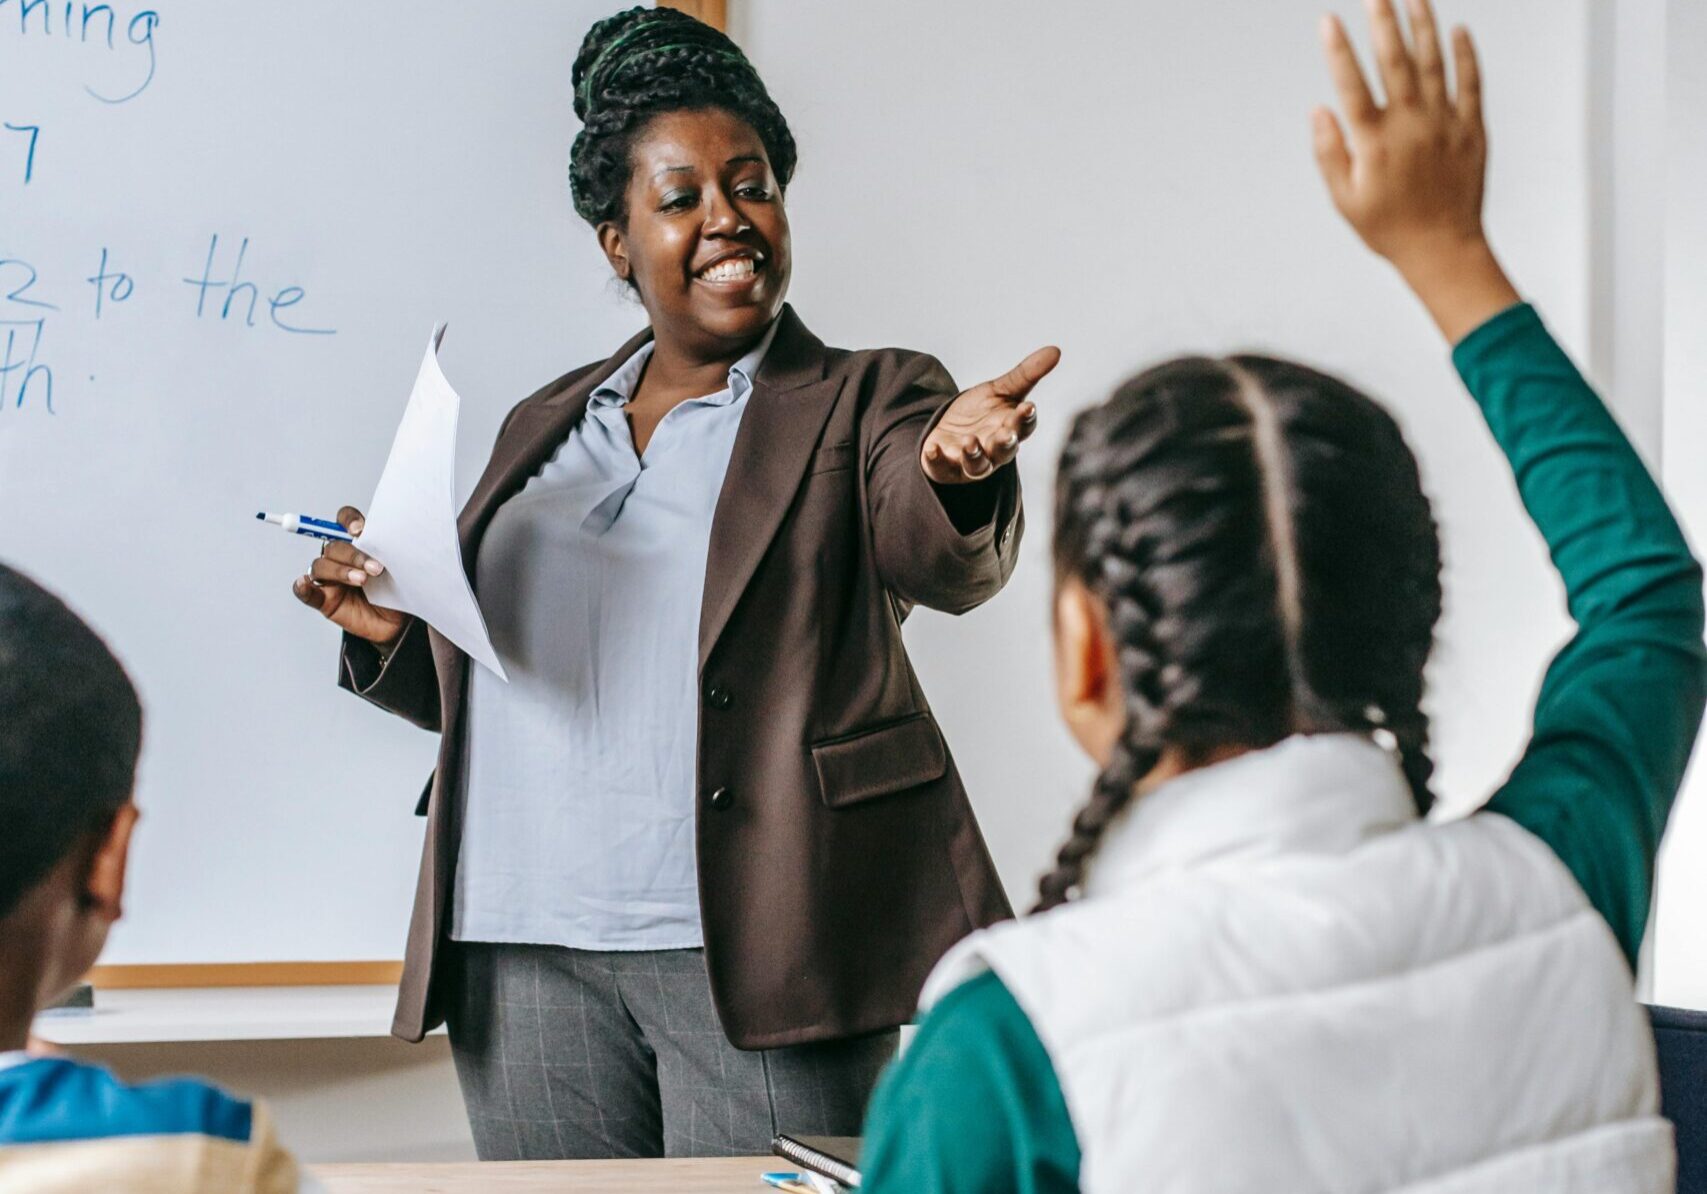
[
  {"x": 646, "y": 906},
  {"x": 1255, "y": 968}
]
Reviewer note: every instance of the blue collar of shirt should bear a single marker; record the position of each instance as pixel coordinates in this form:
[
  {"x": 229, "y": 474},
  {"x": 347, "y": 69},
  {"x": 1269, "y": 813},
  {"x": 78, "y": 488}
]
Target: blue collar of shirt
[{"x": 618, "y": 388}]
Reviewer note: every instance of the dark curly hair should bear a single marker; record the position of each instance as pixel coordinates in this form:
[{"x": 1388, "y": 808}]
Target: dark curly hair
[
  {"x": 1259, "y": 535},
  {"x": 646, "y": 61}
]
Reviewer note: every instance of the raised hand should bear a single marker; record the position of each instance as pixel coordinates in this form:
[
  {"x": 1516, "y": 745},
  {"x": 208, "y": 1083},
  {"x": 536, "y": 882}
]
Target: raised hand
[
  {"x": 983, "y": 426},
  {"x": 333, "y": 586},
  {"x": 1409, "y": 176}
]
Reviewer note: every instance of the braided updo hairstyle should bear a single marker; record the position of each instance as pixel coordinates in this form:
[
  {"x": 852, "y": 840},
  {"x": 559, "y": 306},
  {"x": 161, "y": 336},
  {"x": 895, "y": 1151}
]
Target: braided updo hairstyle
[
  {"x": 646, "y": 61},
  {"x": 1258, "y": 533}
]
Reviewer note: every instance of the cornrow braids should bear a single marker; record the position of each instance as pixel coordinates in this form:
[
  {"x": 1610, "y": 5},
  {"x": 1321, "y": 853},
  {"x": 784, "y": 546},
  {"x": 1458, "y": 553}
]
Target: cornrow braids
[
  {"x": 1368, "y": 544},
  {"x": 1269, "y": 564},
  {"x": 645, "y": 61}
]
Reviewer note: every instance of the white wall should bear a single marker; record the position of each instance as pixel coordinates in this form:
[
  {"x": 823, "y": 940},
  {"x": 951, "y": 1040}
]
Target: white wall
[
  {"x": 1627, "y": 171},
  {"x": 1130, "y": 180},
  {"x": 1680, "y": 946}
]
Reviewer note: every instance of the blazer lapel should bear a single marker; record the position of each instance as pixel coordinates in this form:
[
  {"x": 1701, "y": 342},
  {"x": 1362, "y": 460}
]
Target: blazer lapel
[
  {"x": 785, "y": 414},
  {"x": 534, "y": 434}
]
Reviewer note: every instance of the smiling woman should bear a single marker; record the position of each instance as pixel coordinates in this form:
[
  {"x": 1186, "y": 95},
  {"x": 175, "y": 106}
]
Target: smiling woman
[
  {"x": 722, "y": 280},
  {"x": 646, "y": 906}
]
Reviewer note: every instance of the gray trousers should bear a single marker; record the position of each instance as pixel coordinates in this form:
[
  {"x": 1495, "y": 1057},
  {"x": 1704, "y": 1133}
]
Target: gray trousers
[{"x": 566, "y": 1053}]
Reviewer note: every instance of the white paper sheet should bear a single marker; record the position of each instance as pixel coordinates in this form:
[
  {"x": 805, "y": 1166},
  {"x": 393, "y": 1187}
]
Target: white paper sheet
[{"x": 411, "y": 522}]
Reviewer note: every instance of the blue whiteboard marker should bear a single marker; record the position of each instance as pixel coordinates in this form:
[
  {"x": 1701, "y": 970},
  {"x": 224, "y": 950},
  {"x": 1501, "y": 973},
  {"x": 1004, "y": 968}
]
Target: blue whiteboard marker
[{"x": 301, "y": 524}]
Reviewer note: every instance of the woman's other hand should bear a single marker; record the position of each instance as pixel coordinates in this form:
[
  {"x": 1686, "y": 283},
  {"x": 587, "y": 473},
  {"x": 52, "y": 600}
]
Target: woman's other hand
[
  {"x": 1408, "y": 176},
  {"x": 334, "y": 583},
  {"x": 982, "y": 428}
]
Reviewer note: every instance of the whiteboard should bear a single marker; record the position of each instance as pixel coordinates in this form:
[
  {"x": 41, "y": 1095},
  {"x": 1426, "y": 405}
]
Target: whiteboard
[{"x": 225, "y": 233}]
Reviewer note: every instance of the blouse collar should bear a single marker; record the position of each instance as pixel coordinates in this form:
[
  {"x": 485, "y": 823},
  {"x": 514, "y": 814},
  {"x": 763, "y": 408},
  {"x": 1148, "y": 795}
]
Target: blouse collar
[{"x": 619, "y": 387}]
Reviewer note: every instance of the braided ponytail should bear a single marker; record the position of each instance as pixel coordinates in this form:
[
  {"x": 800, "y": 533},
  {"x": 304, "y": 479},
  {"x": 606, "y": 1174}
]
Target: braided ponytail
[
  {"x": 1112, "y": 792},
  {"x": 1419, "y": 769},
  {"x": 1139, "y": 746}
]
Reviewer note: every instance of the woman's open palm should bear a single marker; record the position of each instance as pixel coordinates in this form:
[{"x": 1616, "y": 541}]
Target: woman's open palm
[{"x": 983, "y": 427}]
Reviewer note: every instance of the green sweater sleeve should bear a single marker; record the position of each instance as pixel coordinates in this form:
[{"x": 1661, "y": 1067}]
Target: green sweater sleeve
[
  {"x": 1619, "y": 706},
  {"x": 971, "y": 1107}
]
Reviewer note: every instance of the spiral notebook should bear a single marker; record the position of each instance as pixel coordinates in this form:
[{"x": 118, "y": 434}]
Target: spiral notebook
[{"x": 835, "y": 1157}]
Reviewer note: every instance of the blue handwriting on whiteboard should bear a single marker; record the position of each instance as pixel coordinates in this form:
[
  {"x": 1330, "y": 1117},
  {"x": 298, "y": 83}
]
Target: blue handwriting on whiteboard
[
  {"x": 21, "y": 332},
  {"x": 23, "y": 274},
  {"x": 91, "y": 25},
  {"x": 19, "y": 369},
  {"x": 115, "y": 287},
  {"x": 238, "y": 293},
  {"x": 34, "y": 130}
]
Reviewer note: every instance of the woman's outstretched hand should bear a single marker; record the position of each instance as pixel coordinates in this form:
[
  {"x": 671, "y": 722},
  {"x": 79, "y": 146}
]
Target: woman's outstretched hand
[
  {"x": 333, "y": 586},
  {"x": 982, "y": 428},
  {"x": 1408, "y": 176}
]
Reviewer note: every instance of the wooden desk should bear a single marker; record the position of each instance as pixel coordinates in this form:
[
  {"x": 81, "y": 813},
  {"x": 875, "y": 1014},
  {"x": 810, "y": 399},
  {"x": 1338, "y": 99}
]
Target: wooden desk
[{"x": 719, "y": 1175}]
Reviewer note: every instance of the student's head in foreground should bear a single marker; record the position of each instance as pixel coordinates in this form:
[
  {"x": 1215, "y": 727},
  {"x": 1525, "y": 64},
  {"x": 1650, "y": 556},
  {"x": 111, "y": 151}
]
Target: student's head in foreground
[
  {"x": 70, "y": 731},
  {"x": 1243, "y": 552}
]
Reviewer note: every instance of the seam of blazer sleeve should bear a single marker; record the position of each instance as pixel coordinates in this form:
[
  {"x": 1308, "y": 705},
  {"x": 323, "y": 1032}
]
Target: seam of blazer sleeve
[{"x": 374, "y": 693}]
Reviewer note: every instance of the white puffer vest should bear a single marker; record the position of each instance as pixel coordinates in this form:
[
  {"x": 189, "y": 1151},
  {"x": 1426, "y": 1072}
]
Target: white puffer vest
[{"x": 1280, "y": 979}]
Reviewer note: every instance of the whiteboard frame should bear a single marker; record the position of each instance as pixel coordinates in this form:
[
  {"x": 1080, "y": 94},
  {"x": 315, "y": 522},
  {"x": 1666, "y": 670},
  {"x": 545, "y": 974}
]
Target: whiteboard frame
[{"x": 713, "y": 12}]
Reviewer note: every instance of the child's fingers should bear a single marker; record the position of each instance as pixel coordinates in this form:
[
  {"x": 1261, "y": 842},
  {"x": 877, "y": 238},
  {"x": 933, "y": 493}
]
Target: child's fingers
[
  {"x": 1431, "y": 67},
  {"x": 1348, "y": 78},
  {"x": 1469, "y": 74},
  {"x": 1392, "y": 56},
  {"x": 1331, "y": 154}
]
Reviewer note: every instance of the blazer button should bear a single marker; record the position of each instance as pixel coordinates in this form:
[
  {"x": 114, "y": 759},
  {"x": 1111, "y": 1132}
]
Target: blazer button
[
  {"x": 721, "y": 798},
  {"x": 719, "y": 698}
]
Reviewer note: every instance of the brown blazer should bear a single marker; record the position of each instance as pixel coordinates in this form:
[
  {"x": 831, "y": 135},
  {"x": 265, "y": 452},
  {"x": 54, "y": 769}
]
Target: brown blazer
[{"x": 838, "y": 857}]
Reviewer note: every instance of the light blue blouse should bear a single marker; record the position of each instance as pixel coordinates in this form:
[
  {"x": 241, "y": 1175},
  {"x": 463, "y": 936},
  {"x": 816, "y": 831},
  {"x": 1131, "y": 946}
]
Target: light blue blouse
[{"x": 579, "y": 825}]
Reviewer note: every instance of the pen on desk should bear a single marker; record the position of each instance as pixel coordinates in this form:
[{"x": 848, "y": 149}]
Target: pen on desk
[{"x": 301, "y": 524}]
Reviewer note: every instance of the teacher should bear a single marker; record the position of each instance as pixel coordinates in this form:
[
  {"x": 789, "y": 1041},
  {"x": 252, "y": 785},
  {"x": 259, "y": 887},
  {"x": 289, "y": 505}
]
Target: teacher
[{"x": 685, "y": 873}]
